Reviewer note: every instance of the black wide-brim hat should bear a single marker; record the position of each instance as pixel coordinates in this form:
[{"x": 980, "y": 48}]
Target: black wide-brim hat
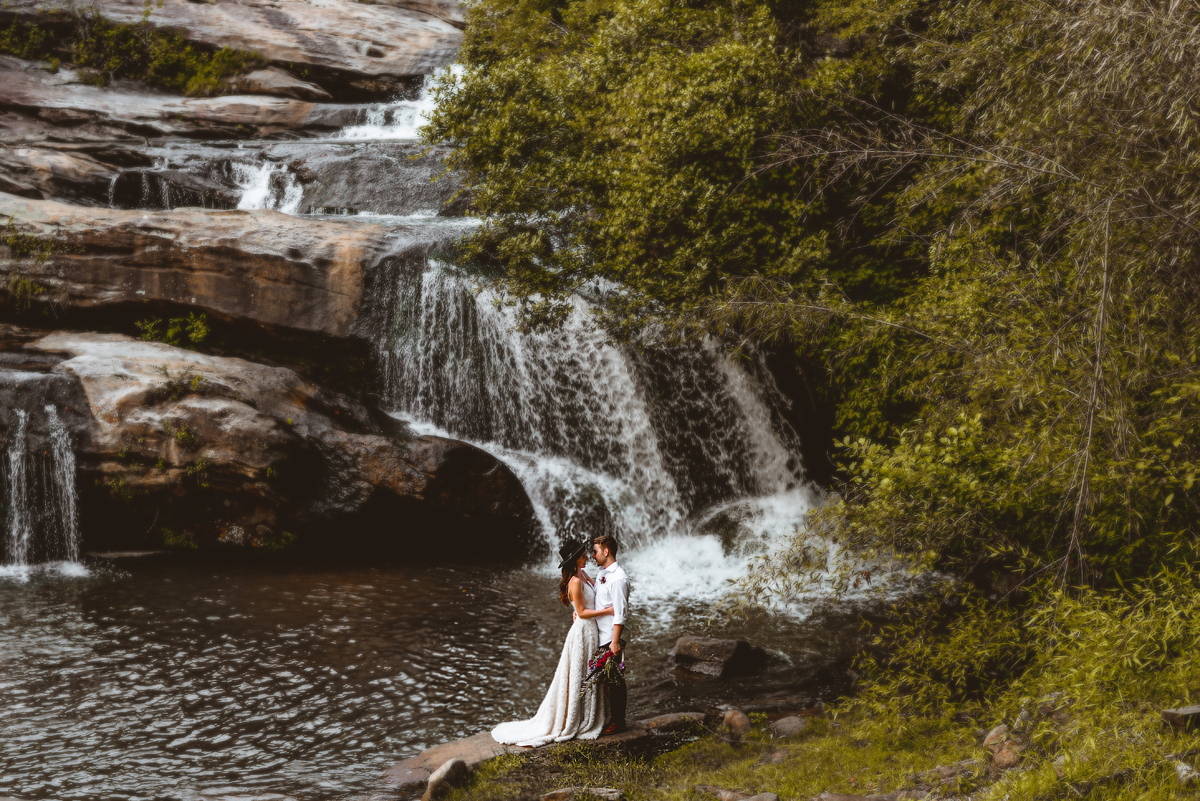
[{"x": 570, "y": 551}]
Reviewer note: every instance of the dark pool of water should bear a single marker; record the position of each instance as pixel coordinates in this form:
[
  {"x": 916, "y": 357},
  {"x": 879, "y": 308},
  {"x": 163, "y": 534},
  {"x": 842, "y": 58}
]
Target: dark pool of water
[{"x": 153, "y": 678}]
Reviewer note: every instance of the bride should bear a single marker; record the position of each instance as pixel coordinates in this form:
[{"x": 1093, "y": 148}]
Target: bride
[{"x": 564, "y": 715}]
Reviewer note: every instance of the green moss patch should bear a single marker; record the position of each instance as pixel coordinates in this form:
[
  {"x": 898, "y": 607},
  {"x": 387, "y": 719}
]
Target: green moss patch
[{"x": 106, "y": 51}]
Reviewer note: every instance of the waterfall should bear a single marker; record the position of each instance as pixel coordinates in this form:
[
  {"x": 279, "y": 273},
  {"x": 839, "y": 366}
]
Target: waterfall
[
  {"x": 19, "y": 525},
  {"x": 401, "y": 119},
  {"x": 659, "y": 440},
  {"x": 40, "y": 498},
  {"x": 62, "y": 490},
  {"x": 268, "y": 186}
]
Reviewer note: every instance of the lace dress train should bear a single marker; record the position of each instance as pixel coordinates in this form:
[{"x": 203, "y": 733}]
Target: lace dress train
[{"x": 563, "y": 715}]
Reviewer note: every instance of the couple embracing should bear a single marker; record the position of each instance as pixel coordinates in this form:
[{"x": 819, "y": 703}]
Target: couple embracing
[{"x": 588, "y": 686}]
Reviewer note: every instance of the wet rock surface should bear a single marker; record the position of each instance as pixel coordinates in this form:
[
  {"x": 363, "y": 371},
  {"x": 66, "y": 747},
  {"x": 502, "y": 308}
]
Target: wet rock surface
[
  {"x": 341, "y": 43},
  {"x": 274, "y": 81},
  {"x": 62, "y": 99},
  {"x": 261, "y": 266},
  {"x": 250, "y": 451}
]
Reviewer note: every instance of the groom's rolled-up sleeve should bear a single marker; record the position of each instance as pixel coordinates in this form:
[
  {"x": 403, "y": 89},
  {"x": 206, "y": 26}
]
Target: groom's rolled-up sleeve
[{"x": 620, "y": 600}]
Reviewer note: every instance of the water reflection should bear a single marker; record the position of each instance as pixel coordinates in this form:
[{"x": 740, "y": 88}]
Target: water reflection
[{"x": 168, "y": 680}]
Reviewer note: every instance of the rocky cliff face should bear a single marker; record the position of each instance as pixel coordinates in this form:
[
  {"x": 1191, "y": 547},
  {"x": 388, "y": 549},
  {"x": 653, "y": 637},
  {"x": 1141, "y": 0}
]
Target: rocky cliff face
[{"x": 118, "y": 204}]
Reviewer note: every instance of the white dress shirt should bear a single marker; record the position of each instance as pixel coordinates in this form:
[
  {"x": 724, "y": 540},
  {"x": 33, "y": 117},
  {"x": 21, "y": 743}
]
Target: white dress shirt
[{"x": 612, "y": 589}]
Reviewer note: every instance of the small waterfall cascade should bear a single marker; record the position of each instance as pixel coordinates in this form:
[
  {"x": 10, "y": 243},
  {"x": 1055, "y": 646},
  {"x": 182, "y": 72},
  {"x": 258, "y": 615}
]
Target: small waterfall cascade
[
  {"x": 401, "y": 119},
  {"x": 663, "y": 441},
  {"x": 40, "y": 496},
  {"x": 18, "y": 525},
  {"x": 268, "y": 186}
]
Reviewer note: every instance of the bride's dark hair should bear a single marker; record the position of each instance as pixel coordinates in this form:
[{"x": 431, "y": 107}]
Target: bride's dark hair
[{"x": 568, "y": 572}]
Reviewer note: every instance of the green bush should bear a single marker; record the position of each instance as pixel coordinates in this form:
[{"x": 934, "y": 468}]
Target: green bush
[
  {"x": 179, "y": 332},
  {"x": 106, "y": 51}
]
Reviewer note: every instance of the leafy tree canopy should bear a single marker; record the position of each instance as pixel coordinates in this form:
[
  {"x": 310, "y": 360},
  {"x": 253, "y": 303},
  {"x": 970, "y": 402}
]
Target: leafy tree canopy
[{"x": 979, "y": 220}]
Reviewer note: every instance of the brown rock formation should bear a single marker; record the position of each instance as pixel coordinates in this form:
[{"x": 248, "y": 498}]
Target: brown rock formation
[
  {"x": 355, "y": 41},
  {"x": 63, "y": 100},
  {"x": 239, "y": 452},
  {"x": 262, "y": 266}
]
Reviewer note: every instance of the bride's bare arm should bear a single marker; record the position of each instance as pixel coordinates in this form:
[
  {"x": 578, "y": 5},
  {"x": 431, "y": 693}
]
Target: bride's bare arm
[
  {"x": 588, "y": 613},
  {"x": 575, "y": 593}
]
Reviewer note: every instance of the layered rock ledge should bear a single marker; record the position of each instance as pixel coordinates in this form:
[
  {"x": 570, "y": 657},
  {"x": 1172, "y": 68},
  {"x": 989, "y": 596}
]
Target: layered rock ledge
[
  {"x": 344, "y": 44},
  {"x": 224, "y": 450},
  {"x": 261, "y": 266},
  {"x": 62, "y": 99}
]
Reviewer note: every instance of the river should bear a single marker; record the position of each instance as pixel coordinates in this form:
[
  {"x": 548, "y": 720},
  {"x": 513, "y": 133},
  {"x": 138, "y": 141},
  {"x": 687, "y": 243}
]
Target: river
[{"x": 164, "y": 678}]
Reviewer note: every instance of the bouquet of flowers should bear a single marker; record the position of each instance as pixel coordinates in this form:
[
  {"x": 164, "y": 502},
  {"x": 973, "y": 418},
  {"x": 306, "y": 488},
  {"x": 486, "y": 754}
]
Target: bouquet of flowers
[{"x": 603, "y": 667}]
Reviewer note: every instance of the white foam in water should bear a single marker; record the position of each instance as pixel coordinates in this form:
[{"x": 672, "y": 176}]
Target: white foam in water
[
  {"x": 268, "y": 186},
  {"x": 402, "y": 119}
]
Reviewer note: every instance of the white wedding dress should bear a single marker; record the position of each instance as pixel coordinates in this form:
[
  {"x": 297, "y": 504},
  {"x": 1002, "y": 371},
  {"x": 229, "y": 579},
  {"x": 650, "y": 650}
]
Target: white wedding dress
[{"x": 563, "y": 715}]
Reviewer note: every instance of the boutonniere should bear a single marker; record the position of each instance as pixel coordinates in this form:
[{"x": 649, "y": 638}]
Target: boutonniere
[{"x": 603, "y": 579}]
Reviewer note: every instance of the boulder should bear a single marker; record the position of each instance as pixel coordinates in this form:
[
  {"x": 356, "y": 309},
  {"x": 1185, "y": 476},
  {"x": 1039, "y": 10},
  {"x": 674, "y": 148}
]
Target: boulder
[
  {"x": 337, "y": 43},
  {"x": 453, "y": 773},
  {"x": 717, "y": 658},
  {"x": 1007, "y": 758},
  {"x": 736, "y": 724},
  {"x": 274, "y": 81},
  {"x": 1183, "y": 718},
  {"x": 996, "y": 738},
  {"x": 788, "y": 727},
  {"x": 64, "y": 100},
  {"x": 236, "y": 452},
  {"x": 773, "y": 758},
  {"x": 676, "y": 721},
  {"x": 474, "y": 751},
  {"x": 261, "y": 266}
]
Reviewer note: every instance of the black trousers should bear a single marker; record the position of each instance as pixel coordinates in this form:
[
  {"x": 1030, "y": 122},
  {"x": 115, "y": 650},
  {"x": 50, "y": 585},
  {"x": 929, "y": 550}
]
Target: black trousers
[{"x": 617, "y": 692}]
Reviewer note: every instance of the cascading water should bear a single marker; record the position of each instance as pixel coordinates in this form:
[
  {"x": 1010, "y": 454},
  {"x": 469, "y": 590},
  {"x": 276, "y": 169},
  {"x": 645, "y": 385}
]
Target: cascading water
[
  {"x": 268, "y": 186},
  {"x": 62, "y": 485},
  {"x": 401, "y": 119},
  {"x": 41, "y": 517},
  {"x": 19, "y": 526},
  {"x": 672, "y": 444}
]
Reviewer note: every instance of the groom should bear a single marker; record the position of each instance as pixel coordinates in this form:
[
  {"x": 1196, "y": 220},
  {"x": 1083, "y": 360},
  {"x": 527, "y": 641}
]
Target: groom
[{"x": 612, "y": 589}]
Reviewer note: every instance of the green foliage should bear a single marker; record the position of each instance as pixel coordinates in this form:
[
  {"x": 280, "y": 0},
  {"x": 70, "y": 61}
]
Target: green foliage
[
  {"x": 119, "y": 489},
  {"x": 185, "y": 435},
  {"x": 638, "y": 141},
  {"x": 277, "y": 540},
  {"x": 180, "y": 540},
  {"x": 108, "y": 51},
  {"x": 1079, "y": 676},
  {"x": 180, "y": 332}
]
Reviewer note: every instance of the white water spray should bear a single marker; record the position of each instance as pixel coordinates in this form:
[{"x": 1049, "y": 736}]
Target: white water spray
[
  {"x": 268, "y": 186},
  {"x": 402, "y": 119}
]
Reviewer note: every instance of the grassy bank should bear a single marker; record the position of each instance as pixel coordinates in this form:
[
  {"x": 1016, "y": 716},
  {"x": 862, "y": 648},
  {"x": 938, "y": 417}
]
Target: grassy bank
[{"x": 852, "y": 754}]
